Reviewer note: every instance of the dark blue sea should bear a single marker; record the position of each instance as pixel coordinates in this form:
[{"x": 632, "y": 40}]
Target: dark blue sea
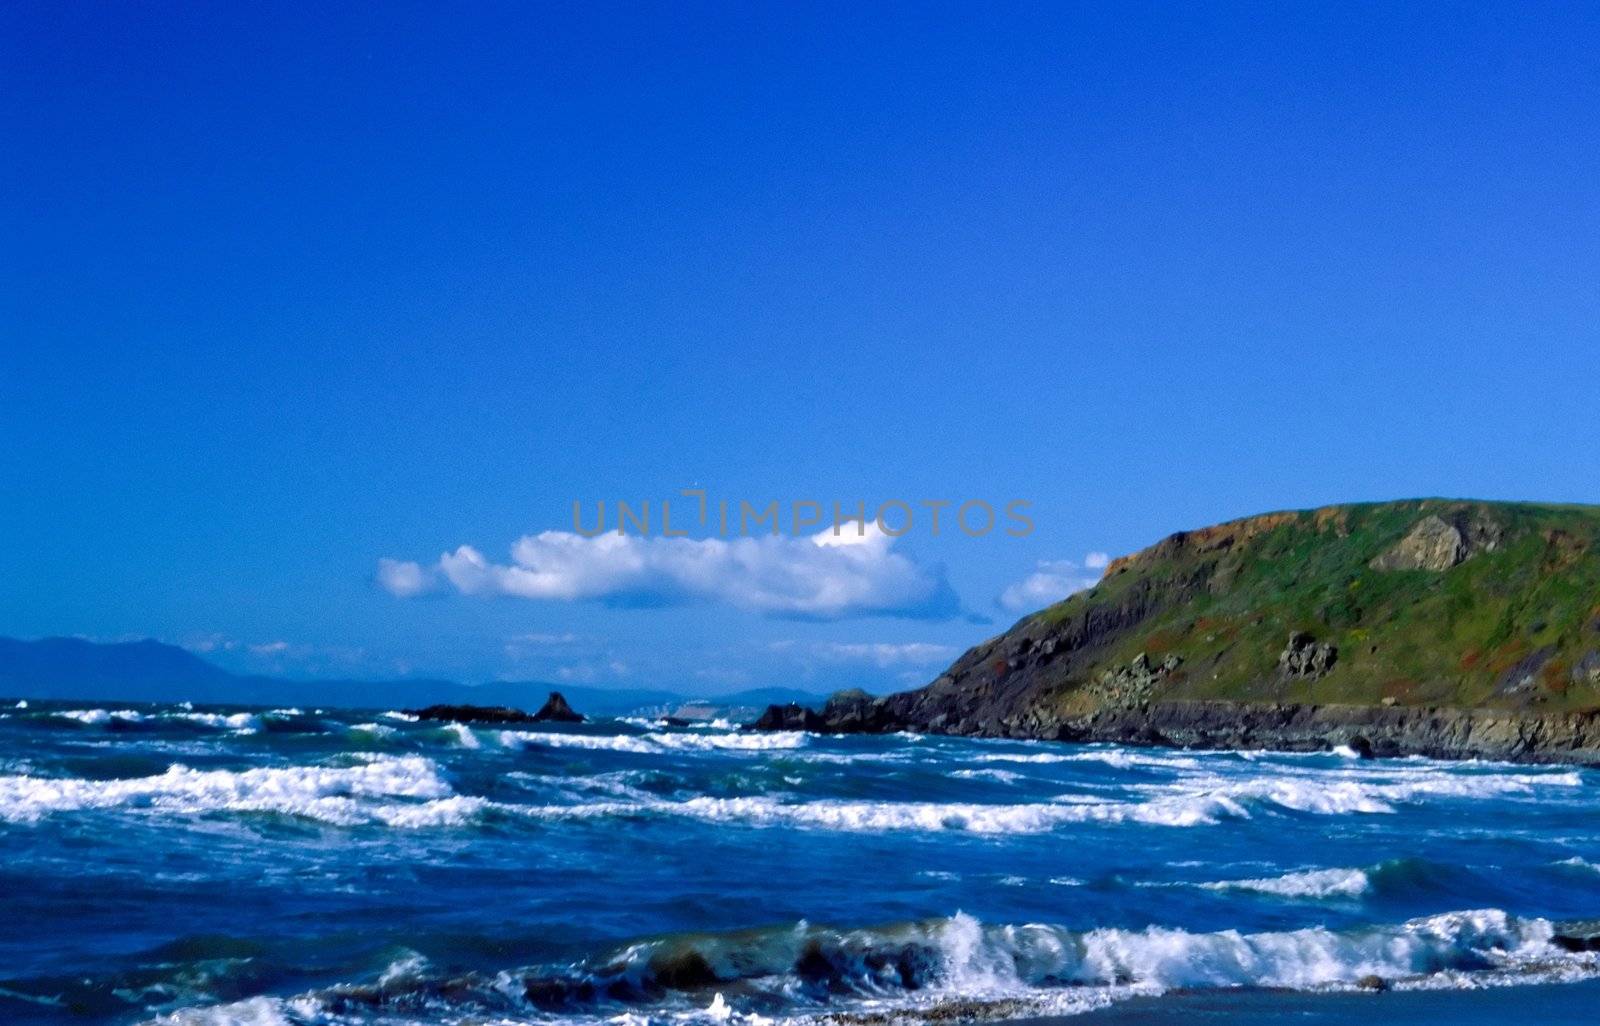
[{"x": 197, "y": 865}]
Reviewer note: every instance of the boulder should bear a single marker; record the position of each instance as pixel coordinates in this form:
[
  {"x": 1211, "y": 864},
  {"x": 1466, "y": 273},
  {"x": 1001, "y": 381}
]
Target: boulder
[
  {"x": 556, "y": 710},
  {"x": 1131, "y": 685},
  {"x": 1432, "y": 544},
  {"x": 853, "y": 711},
  {"x": 1438, "y": 543},
  {"x": 1306, "y": 658},
  {"x": 792, "y": 716}
]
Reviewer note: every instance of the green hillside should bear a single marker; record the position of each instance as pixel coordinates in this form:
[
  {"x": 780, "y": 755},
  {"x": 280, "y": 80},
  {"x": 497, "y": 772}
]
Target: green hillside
[{"x": 1427, "y": 602}]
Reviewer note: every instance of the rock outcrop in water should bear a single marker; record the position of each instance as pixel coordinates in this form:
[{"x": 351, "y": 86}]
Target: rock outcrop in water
[
  {"x": 556, "y": 710},
  {"x": 472, "y": 714},
  {"x": 1432, "y": 627}
]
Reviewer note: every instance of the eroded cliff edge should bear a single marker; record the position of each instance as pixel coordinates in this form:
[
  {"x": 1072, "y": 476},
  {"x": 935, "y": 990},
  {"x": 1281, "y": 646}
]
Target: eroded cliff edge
[{"x": 1435, "y": 627}]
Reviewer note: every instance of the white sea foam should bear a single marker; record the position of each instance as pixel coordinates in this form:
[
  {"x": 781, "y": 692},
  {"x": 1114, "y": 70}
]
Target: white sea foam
[
  {"x": 874, "y": 817},
  {"x": 256, "y": 1011},
  {"x": 777, "y": 741},
  {"x": 979, "y": 960},
  {"x": 403, "y": 717},
  {"x": 1044, "y": 969},
  {"x": 462, "y": 735},
  {"x": 592, "y": 742},
  {"x": 100, "y": 716},
  {"x": 1119, "y": 758},
  {"x": 244, "y": 723},
  {"x": 1316, "y": 957},
  {"x": 1196, "y": 802},
  {"x": 659, "y": 742},
  {"x": 999, "y": 776},
  {"x": 1030, "y": 757},
  {"x": 1312, "y": 883},
  {"x": 347, "y": 795},
  {"x": 1031, "y": 962}
]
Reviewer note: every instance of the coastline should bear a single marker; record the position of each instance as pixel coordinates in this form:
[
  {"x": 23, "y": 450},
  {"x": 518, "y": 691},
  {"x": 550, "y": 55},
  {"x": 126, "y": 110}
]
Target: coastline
[{"x": 1571, "y": 738}]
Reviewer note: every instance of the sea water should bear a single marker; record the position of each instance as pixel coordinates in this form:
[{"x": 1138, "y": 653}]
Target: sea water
[{"x": 210, "y": 865}]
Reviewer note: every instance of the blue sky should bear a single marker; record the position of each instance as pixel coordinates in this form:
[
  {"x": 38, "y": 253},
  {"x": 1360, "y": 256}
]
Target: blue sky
[{"x": 291, "y": 293}]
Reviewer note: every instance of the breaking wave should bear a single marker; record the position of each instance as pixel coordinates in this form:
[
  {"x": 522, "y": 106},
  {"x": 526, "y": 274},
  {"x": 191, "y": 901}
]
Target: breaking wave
[
  {"x": 957, "y": 963},
  {"x": 343, "y": 795},
  {"x": 657, "y": 743},
  {"x": 1311, "y": 883}
]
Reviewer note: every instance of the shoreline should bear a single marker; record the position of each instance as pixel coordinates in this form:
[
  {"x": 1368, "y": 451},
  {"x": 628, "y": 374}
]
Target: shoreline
[{"x": 1371, "y": 731}]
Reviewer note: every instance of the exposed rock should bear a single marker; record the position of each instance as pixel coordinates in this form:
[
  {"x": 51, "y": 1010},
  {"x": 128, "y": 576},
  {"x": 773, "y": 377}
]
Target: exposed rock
[
  {"x": 1381, "y": 731},
  {"x": 1523, "y": 678},
  {"x": 1306, "y": 658},
  {"x": 1133, "y": 684},
  {"x": 682, "y": 970},
  {"x": 1218, "y": 538},
  {"x": 1372, "y": 981},
  {"x": 473, "y": 714},
  {"x": 1400, "y": 730},
  {"x": 1437, "y": 544},
  {"x": 851, "y": 711},
  {"x": 792, "y": 716},
  {"x": 855, "y": 712},
  {"x": 1226, "y": 596},
  {"x": 556, "y": 710},
  {"x": 1431, "y": 545},
  {"x": 1578, "y": 937}
]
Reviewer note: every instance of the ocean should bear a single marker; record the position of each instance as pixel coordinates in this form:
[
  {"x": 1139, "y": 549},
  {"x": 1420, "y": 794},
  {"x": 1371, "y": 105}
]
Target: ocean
[{"x": 205, "y": 865}]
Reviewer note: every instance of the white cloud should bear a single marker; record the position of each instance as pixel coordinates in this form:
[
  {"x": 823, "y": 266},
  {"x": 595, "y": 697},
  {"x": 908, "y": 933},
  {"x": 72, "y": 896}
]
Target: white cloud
[
  {"x": 590, "y": 672},
  {"x": 822, "y": 576},
  {"x": 404, "y": 578},
  {"x": 885, "y": 655},
  {"x": 1051, "y": 581},
  {"x": 544, "y": 638}
]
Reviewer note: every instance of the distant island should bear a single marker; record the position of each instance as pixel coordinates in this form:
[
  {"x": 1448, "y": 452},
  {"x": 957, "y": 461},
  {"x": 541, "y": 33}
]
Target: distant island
[
  {"x": 1436, "y": 627},
  {"x": 151, "y": 671}
]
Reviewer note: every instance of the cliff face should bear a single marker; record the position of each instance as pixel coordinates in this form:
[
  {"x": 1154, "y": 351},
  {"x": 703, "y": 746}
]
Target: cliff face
[{"x": 1431, "y": 626}]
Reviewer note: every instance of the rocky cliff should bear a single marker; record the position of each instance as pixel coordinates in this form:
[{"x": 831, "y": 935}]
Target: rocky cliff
[{"x": 1439, "y": 627}]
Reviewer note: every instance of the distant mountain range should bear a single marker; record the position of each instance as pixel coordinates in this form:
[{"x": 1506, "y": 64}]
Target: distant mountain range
[{"x": 150, "y": 671}]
